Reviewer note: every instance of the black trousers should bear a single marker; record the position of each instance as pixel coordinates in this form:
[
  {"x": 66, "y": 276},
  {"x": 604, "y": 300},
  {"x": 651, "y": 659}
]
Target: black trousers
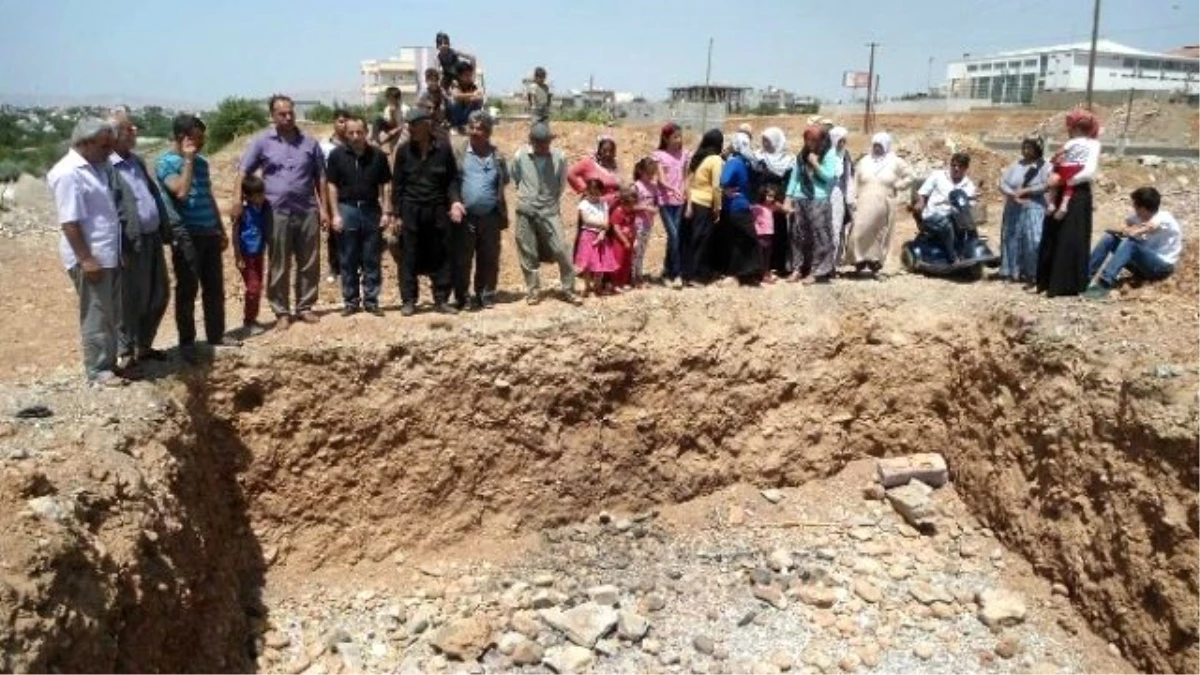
[
  {"x": 199, "y": 268},
  {"x": 333, "y": 246},
  {"x": 477, "y": 244},
  {"x": 426, "y": 247}
]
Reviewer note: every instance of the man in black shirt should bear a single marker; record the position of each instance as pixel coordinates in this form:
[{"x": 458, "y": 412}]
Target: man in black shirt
[
  {"x": 356, "y": 171},
  {"x": 428, "y": 203}
]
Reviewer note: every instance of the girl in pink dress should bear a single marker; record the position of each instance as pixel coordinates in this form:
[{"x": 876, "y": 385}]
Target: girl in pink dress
[
  {"x": 594, "y": 255},
  {"x": 645, "y": 183}
]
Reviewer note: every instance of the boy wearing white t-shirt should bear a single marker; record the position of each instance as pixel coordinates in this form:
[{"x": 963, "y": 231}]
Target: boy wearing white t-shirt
[{"x": 1148, "y": 245}]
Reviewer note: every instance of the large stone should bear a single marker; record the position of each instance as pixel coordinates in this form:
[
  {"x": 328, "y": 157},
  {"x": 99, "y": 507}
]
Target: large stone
[
  {"x": 464, "y": 639},
  {"x": 527, "y": 653},
  {"x": 867, "y": 591},
  {"x": 912, "y": 501},
  {"x": 926, "y": 594},
  {"x": 584, "y": 624},
  {"x": 818, "y": 595},
  {"x": 607, "y": 595},
  {"x": 927, "y": 467},
  {"x": 632, "y": 626},
  {"x": 1000, "y": 608},
  {"x": 772, "y": 595},
  {"x": 568, "y": 659}
]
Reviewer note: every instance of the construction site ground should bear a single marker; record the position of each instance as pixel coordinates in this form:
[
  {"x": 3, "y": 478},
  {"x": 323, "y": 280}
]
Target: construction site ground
[{"x": 685, "y": 476}]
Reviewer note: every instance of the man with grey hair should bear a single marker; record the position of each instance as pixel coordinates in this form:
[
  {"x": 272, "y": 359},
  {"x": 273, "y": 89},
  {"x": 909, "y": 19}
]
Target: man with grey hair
[
  {"x": 483, "y": 170},
  {"x": 541, "y": 175},
  {"x": 144, "y": 283},
  {"x": 90, "y": 246}
]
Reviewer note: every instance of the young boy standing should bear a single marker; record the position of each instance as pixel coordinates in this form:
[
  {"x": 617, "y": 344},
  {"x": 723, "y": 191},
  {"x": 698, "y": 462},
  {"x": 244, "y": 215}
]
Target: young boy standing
[{"x": 250, "y": 235}]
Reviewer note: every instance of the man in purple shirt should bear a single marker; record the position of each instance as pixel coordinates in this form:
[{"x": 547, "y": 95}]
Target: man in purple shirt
[{"x": 293, "y": 168}]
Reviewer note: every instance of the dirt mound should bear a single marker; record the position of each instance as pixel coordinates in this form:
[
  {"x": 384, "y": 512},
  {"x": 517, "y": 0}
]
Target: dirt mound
[
  {"x": 1149, "y": 122},
  {"x": 1086, "y": 469}
]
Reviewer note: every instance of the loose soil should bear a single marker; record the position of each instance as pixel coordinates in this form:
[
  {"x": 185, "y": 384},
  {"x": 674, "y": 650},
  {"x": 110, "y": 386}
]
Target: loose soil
[{"x": 184, "y": 522}]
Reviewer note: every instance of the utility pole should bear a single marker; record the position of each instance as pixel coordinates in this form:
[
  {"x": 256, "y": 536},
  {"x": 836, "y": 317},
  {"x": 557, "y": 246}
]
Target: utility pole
[
  {"x": 870, "y": 89},
  {"x": 929, "y": 77},
  {"x": 704, "y": 96},
  {"x": 1092, "y": 54}
]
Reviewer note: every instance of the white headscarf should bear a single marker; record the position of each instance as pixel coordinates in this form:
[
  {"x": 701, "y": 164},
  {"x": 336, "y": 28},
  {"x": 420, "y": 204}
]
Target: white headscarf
[
  {"x": 778, "y": 161},
  {"x": 741, "y": 146},
  {"x": 837, "y": 135},
  {"x": 884, "y": 140},
  {"x": 875, "y": 164}
]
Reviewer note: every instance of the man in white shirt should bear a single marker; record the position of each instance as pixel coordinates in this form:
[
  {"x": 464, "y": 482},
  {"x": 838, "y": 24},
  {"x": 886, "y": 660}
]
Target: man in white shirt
[
  {"x": 90, "y": 246},
  {"x": 1148, "y": 245},
  {"x": 933, "y": 201}
]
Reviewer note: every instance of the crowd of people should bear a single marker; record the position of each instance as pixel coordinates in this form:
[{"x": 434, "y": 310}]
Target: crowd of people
[{"x": 430, "y": 188}]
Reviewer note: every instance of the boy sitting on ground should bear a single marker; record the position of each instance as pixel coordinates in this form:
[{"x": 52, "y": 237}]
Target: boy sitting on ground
[{"x": 1148, "y": 245}]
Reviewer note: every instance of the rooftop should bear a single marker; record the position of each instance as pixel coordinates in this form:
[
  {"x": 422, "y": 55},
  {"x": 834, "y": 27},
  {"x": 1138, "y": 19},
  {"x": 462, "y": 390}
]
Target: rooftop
[
  {"x": 714, "y": 85},
  {"x": 1103, "y": 46}
]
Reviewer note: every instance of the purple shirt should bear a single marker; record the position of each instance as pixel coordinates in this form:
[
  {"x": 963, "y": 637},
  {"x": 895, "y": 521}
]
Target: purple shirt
[{"x": 290, "y": 169}]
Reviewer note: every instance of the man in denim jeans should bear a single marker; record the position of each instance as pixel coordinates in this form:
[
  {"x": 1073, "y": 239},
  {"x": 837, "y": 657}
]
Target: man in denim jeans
[
  {"x": 355, "y": 173},
  {"x": 1148, "y": 245},
  {"x": 933, "y": 202}
]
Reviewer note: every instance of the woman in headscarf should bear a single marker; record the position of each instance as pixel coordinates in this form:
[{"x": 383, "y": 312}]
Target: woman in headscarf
[
  {"x": 775, "y": 168},
  {"x": 739, "y": 238},
  {"x": 812, "y": 225},
  {"x": 722, "y": 243},
  {"x": 843, "y": 196},
  {"x": 601, "y": 166},
  {"x": 880, "y": 176},
  {"x": 1066, "y": 238},
  {"x": 703, "y": 209},
  {"x": 672, "y": 190},
  {"x": 1024, "y": 187}
]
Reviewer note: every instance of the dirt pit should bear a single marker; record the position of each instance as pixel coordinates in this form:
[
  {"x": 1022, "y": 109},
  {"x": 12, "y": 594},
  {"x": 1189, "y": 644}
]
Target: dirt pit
[{"x": 457, "y": 496}]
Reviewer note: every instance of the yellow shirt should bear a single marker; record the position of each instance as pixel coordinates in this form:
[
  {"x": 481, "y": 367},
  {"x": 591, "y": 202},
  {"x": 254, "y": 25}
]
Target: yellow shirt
[{"x": 704, "y": 186}]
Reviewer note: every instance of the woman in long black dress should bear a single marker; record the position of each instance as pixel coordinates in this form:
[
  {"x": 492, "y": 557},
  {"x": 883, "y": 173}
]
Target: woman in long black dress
[
  {"x": 776, "y": 165},
  {"x": 1067, "y": 240}
]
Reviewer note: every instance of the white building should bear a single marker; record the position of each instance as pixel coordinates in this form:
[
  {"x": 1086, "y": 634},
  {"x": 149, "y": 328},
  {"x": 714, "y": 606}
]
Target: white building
[
  {"x": 405, "y": 71},
  {"x": 1014, "y": 77}
]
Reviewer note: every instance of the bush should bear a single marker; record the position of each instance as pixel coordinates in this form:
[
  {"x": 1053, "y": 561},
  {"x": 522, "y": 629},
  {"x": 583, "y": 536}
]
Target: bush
[
  {"x": 591, "y": 116},
  {"x": 234, "y": 117},
  {"x": 9, "y": 171},
  {"x": 324, "y": 114}
]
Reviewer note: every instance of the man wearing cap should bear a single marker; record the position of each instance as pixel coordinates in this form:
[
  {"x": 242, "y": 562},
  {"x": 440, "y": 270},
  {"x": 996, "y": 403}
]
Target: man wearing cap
[
  {"x": 427, "y": 204},
  {"x": 540, "y": 173},
  {"x": 483, "y": 170}
]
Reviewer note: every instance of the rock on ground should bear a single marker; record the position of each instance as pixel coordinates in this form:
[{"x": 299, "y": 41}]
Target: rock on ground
[
  {"x": 569, "y": 659},
  {"x": 583, "y": 625},
  {"x": 927, "y": 467},
  {"x": 464, "y": 639},
  {"x": 1000, "y": 608}
]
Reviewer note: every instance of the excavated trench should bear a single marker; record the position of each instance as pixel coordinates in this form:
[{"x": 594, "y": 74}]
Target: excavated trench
[{"x": 305, "y": 459}]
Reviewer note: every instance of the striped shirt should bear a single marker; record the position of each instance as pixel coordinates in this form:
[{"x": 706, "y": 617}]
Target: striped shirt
[{"x": 197, "y": 211}]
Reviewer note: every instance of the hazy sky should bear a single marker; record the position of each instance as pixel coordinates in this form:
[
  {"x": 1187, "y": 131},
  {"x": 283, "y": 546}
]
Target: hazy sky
[{"x": 202, "y": 51}]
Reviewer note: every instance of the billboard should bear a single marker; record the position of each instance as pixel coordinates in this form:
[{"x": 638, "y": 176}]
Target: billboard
[{"x": 854, "y": 79}]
